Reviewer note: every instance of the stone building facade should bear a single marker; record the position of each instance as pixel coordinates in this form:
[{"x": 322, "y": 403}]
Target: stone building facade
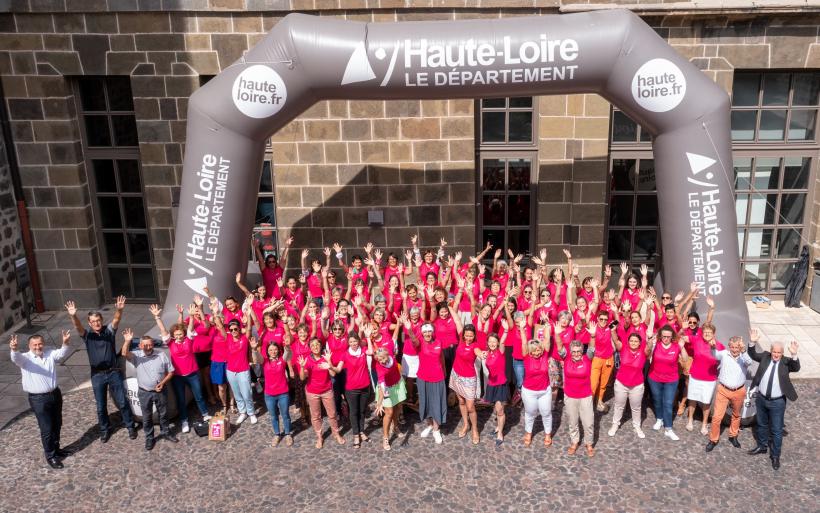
[{"x": 419, "y": 162}]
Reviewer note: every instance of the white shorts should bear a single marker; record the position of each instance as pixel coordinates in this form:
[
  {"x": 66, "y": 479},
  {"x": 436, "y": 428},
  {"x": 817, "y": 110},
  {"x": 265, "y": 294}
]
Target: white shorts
[
  {"x": 701, "y": 391},
  {"x": 409, "y": 365}
]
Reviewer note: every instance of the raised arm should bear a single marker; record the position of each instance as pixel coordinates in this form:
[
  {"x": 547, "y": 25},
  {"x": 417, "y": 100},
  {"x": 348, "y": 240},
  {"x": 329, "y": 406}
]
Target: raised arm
[
  {"x": 241, "y": 286},
  {"x": 711, "y": 313},
  {"x": 155, "y": 311},
  {"x": 283, "y": 260},
  {"x": 71, "y": 308},
  {"x": 120, "y": 306},
  {"x": 128, "y": 336}
]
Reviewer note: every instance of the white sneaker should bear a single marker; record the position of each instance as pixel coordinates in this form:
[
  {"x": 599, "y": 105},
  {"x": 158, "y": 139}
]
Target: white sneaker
[
  {"x": 426, "y": 432},
  {"x": 639, "y": 432},
  {"x": 437, "y": 436},
  {"x": 241, "y": 418},
  {"x": 253, "y": 419},
  {"x": 185, "y": 427},
  {"x": 670, "y": 434},
  {"x": 206, "y": 418},
  {"x": 612, "y": 430},
  {"x": 658, "y": 425}
]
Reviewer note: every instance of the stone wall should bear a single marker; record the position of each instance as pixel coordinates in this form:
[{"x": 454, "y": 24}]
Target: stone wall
[{"x": 11, "y": 246}]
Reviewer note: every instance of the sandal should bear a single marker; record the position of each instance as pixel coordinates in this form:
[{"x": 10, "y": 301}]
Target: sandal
[
  {"x": 476, "y": 439},
  {"x": 572, "y": 449},
  {"x": 339, "y": 438},
  {"x": 527, "y": 439},
  {"x": 690, "y": 426},
  {"x": 319, "y": 442},
  {"x": 590, "y": 450},
  {"x": 289, "y": 440},
  {"x": 547, "y": 440},
  {"x": 275, "y": 441},
  {"x": 704, "y": 430},
  {"x": 386, "y": 444},
  {"x": 498, "y": 442},
  {"x": 357, "y": 442},
  {"x": 463, "y": 433},
  {"x": 364, "y": 437}
]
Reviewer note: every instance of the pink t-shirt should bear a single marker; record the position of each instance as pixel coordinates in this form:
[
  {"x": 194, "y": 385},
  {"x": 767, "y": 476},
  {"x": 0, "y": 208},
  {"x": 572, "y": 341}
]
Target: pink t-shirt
[
  {"x": 204, "y": 335},
  {"x": 514, "y": 340},
  {"x": 269, "y": 278},
  {"x": 426, "y": 268},
  {"x": 704, "y": 365},
  {"x": 631, "y": 296},
  {"x": 337, "y": 346},
  {"x": 318, "y": 380},
  {"x": 536, "y": 372},
  {"x": 238, "y": 354},
  {"x": 430, "y": 368},
  {"x": 275, "y": 381},
  {"x": 386, "y": 343},
  {"x": 357, "y": 376},
  {"x": 314, "y": 283},
  {"x": 603, "y": 343},
  {"x": 387, "y": 376},
  {"x": 664, "y": 366},
  {"x": 228, "y": 316},
  {"x": 299, "y": 349},
  {"x": 408, "y": 348},
  {"x": 497, "y": 367},
  {"x": 258, "y": 306},
  {"x": 219, "y": 348},
  {"x": 562, "y": 300},
  {"x": 446, "y": 332},
  {"x": 566, "y": 337},
  {"x": 268, "y": 337},
  {"x": 630, "y": 373},
  {"x": 577, "y": 377},
  {"x": 582, "y": 335},
  {"x": 182, "y": 356},
  {"x": 464, "y": 363}
]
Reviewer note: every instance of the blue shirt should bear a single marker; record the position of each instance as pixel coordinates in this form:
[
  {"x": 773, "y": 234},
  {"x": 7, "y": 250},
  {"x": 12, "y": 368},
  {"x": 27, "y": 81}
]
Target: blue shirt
[{"x": 102, "y": 355}]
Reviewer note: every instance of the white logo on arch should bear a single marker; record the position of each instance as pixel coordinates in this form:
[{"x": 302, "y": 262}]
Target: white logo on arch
[
  {"x": 259, "y": 92},
  {"x": 658, "y": 86}
]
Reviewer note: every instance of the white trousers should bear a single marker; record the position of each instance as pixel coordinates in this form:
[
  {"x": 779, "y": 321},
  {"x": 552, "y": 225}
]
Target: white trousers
[{"x": 537, "y": 403}]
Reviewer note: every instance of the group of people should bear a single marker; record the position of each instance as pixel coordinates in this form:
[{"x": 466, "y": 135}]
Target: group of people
[{"x": 421, "y": 331}]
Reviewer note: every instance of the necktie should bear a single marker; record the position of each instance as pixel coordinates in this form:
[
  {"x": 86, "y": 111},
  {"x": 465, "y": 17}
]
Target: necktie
[{"x": 771, "y": 381}]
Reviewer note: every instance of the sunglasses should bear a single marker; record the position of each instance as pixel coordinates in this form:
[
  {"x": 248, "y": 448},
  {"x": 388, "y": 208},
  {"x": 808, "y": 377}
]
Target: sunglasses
[
  {"x": 666, "y": 297},
  {"x": 666, "y": 337},
  {"x": 233, "y": 328}
]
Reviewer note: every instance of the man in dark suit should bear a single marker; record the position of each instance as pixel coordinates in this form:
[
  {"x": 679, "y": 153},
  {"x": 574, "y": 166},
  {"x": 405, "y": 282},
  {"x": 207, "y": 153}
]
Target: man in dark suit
[{"x": 774, "y": 388}]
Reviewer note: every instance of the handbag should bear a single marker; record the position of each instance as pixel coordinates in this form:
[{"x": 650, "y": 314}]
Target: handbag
[{"x": 201, "y": 428}]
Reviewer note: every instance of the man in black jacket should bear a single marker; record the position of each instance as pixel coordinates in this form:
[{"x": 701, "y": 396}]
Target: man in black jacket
[{"x": 774, "y": 388}]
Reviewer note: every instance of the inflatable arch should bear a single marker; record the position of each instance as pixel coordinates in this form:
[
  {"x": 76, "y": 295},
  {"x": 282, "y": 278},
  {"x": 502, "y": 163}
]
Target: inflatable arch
[{"x": 305, "y": 59}]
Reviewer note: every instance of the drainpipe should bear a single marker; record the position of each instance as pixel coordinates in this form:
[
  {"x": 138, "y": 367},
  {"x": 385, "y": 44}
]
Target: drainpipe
[{"x": 22, "y": 212}]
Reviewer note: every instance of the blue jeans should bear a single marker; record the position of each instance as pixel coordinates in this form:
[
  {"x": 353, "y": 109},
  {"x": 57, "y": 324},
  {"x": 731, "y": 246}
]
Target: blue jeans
[
  {"x": 518, "y": 369},
  {"x": 663, "y": 399},
  {"x": 241, "y": 387},
  {"x": 192, "y": 381},
  {"x": 102, "y": 383},
  {"x": 278, "y": 405},
  {"x": 770, "y": 417}
]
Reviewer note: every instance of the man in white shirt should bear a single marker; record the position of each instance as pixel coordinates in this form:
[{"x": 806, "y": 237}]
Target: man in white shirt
[
  {"x": 39, "y": 370},
  {"x": 731, "y": 389}
]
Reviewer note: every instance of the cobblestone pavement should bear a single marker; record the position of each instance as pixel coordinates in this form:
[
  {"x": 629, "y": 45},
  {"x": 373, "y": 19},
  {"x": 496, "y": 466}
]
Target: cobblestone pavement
[{"x": 246, "y": 474}]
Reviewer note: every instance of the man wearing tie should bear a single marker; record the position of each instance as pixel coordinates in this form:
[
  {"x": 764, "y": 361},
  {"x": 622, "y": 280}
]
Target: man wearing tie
[{"x": 774, "y": 388}]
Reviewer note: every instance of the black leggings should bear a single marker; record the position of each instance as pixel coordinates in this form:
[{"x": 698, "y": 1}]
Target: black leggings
[{"x": 357, "y": 404}]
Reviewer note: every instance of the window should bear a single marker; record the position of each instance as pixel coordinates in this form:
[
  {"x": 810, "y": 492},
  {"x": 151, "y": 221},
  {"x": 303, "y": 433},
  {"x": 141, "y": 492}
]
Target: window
[
  {"x": 112, "y": 162},
  {"x": 624, "y": 130},
  {"x": 507, "y": 166},
  {"x": 265, "y": 217},
  {"x": 775, "y": 107}
]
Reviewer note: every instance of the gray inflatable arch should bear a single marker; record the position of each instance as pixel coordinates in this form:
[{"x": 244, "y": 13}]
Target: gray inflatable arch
[{"x": 305, "y": 59}]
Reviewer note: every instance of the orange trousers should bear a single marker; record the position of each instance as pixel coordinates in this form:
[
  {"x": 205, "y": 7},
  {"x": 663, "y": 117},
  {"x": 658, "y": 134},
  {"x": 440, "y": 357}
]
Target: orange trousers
[
  {"x": 599, "y": 377},
  {"x": 723, "y": 398}
]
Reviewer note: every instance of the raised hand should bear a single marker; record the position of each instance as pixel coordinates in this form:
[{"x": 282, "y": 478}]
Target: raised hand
[
  {"x": 458, "y": 256},
  {"x": 567, "y": 254},
  {"x": 191, "y": 310},
  {"x": 693, "y": 287},
  {"x": 678, "y": 297},
  {"x": 608, "y": 270},
  {"x": 368, "y": 248},
  {"x": 66, "y": 336},
  {"x": 644, "y": 269},
  {"x": 793, "y": 347},
  {"x": 414, "y": 239},
  {"x": 305, "y": 253},
  {"x": 198, "y": 300},
  {"x": 120, "y": 303},
  {"x": 71, "y": 308},
  {"x": 378, "y": 254},
  {"x": 289, "y": 241},
  {"x": 418, "y": 261},
  {"x": 575, "y": 270},
  {"x": 497, "y": 254},
  {"x": 326, "y": 252},
  {"x": 481, "y": 268},
  {"x": 543, "y": 255},
  {"x": 367, "y": 330},
  {"x": 13, "y": 343},
  {"x": 754, "y": 335},
  {"x": 238, "y": 277},
  {"x": 594, "y": 283},
  {"x": 155, "y": 310},
  {"x": 253, "y": 342},
  {"x": 302, "y": 361},
  {"x": 179, "y": 308},
  {"x": 409, "y": 255},
  {"x": 279, "y": 282},
  {"x": 337, "y": 247},
  {"x": 711, "y": 302},
  {"x": 443, "y": 242},
  {"x": 624, "y": 269},
  {"x": 128, "y": 335}
]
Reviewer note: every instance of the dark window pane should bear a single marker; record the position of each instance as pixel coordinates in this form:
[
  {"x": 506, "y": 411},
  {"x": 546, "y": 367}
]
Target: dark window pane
[
  {"x": 646, "y": 244},
  {"x": 139, "y": 251},
  {"x": 109, "y": 212},
  {"x": 519, "y": 174},
  {"x": 620, "y": 210},
  {"x": 788, "y": 242},
  {"x": 623, "y": 128},
  {"x": 521, "y": 102},
  {"x": 762, "y": 208},
  {"x": 646, "y": 211},
  {"x": 743, "y": 125},
  {"x": 494, "y": 237},
  {"x": 623, "y": 175},
  {"x": 129, "y": 174},
  {"x": 266, "y": 180},
  {"x": 801, "y": 126},
  {"x": 520, "y": 127},
  {"x": 104, "y": 175},
  {"x": 759, "y": 242},
  {"x": 755, "y": 277},
  {"x": 618, "y": 245},
  {"x": 120, "y": 281},
  {"x": 92, "y": 95},
  {"x": 96, "y": 128},
  {"x": 125, "y": 130},
  {"x": 645, "y": 135},
  {"x": 796, "y": 172},
  {"x": 741, "y": 239},
  {"x": 493, "y": 179},
  {"x": 518, "y": 206},
  {"x": 775, "y": 89},
  {"x": 791, "y": 208},
  {"x": 745, "y": 90},
  {"x": 772, "y": 125},
  {"x": 119, "y": 93},
  {"x": 767, "y": 173},
  {"x": 743, "y": 173},
  {"x": 493, "y": 209},
  {"x": 493, "y": 103},
  {"x": 781, "y": 274},
  {"x": 114, "y": 248},
  {"x": 134, "y": 213},
  {"x": 806, "y": 88},
  {"x": 741, "y": 207},
  {"x": 143, "y": 283},
  {"x": 646, "y": 175},
  {"x": 264, "y": 210},
  {"x": 518, "y": 241},
  {"x": 492, "y": 126}
]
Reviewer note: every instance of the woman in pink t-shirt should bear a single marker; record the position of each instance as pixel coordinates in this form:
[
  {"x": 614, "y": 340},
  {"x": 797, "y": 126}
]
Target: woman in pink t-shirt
[
  {"x": 316, "y": 370},
  {"x": 703, "y": 376},
  {"x": 557, "y": 284},
  {"x": 535, "y": 390},
  {"x": 203, "y": 343},
  {"x": 390, "y": 391},
  {"x": 603, "y": 360},
  {"x": 496, "y": 392},
  {"x": 430, "y": 380},
  {"x": 663, "y": 378},
  {"x": 353, "y": 362},
  {"x": 629, "y": 379},
  {"x": 276, "y": 392},
  {"x": 464, "y": 381},
  {"x": 578, "y": 394}
]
